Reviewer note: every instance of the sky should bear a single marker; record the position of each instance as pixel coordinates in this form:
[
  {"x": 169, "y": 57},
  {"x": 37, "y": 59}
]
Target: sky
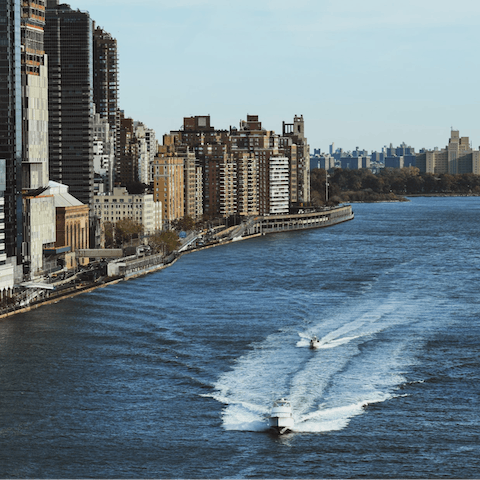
[{"x": 362, "y": 73}]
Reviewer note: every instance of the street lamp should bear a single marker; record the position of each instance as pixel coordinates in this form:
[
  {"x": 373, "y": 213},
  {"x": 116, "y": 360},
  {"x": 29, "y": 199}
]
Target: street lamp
[{"x": 327, "y": 176}]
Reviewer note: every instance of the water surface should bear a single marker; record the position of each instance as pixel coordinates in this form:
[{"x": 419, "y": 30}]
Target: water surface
[{"x": 172, "y": 375}]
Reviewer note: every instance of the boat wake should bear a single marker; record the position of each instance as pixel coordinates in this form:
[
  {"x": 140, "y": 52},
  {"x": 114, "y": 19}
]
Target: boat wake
[
  {"x": 324, "y": 342},
  {"x": 359, "y": 362}
]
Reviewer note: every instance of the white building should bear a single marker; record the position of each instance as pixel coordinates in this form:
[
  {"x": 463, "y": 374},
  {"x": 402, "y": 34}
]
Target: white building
[
  {"x": 103, "y": 150},
  {"x": 39, "y": 208},
  {"x": 35, "y": 141},
  {"x": 279, "y": 185},
  {"x": 40, "y": 230},
  {"x": 144, "y": 167},
  {"x": 152, "y": 147},
  {"x": 120, "y": 205}
]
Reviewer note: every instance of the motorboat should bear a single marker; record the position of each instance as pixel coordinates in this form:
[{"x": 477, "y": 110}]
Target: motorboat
[
  {"x": 314, "y": 342},
  {"x": 281, "y": 418}
]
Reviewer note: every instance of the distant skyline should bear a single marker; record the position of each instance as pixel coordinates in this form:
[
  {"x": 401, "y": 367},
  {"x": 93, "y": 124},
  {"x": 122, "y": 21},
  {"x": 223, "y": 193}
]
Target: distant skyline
[{"x": 363, "y": 74}]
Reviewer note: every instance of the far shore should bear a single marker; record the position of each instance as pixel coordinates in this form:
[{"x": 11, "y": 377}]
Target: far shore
[{"x": 405, "y": 197}]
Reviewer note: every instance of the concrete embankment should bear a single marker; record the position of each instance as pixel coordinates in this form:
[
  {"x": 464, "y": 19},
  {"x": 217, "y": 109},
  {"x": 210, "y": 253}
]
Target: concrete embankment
[
  {"x": 300, "y": 221},
  {"x": 134, "y": 267}
]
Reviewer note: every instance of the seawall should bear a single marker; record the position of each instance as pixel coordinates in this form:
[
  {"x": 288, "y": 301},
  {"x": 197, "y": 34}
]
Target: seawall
[{"x": 300, "y": 221}]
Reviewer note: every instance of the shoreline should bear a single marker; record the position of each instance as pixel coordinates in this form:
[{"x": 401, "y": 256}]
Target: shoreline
[
  {"x": 442, "y": 195},
  {"x": 90, "y": 288},
  {"x": 405, "y": 197},
  {"x": 81, "y": 289}
]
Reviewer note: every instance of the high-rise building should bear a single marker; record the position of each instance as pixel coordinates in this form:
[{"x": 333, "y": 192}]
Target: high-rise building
[
  {"x": 11, "y": 124},
  {"x": 29, "y": 216},
  {"x": 34, "y": 96},
  {"x": 69, "y": 46},
  {"x": 106, "y": 81},
  {"x": 126, "y": 167},
  {"x": 278, "y": 186},
  {"x": 299, "y": 159},
  {"x": 457, "y": 157},
  {"x": 38, "y": 208},
  {"x": 193, "y": 186},
  {"x": 152, "y": 148},
  {"x": 103, "y": 153},
  {"x": 105, "y": 75},
  {"x": 169, "y": 183},
  {"x": 144, "y": 166},
  {"x": 246, "y": 171}
]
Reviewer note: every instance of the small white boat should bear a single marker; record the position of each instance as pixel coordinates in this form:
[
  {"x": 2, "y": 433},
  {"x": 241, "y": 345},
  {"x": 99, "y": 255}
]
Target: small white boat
[
  {"x": 281, "y": 418},
  {"x": 314, "y": 342}
]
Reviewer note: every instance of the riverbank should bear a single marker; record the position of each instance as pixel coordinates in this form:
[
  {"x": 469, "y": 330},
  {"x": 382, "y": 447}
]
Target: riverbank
[
  {"x": 442, "y": 195},
  {"x": 139, "y": 267}
]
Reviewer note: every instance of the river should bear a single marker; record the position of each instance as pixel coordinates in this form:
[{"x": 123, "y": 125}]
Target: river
[{"x": 172, "y": 375}]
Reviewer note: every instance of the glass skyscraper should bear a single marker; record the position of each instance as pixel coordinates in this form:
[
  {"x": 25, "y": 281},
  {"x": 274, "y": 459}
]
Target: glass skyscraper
[
  {"x": 11, "y": 123},
  {"x": 69, "y": 47}
]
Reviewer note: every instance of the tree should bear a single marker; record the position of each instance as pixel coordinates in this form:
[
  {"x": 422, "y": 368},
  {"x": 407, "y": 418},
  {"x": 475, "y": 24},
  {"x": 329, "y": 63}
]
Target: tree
[
  {"x": 373, "y": 182},
  {"x": 448, "y": 183},
  {"x": 430, "y": 183},
  {"x": 164, "y": 242},
  {"x": 415, "y": 184},
  {"x": 126, "y": 230},
  {"x": 362, "y": 185},
  {"x": 186, "y": 223},
  {"x": 108, "y": 230}
]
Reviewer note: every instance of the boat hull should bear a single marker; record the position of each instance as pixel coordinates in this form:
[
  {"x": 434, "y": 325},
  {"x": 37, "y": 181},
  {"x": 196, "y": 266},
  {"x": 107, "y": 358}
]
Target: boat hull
[
  {"x": 281, "y": 418},
  {"x": 281, "y": 425}
]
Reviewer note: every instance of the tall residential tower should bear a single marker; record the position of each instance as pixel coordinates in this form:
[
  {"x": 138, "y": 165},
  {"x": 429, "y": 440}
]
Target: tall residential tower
[
  {"x": 69, "y": 46},
  {"x": 11, "y": 124}
]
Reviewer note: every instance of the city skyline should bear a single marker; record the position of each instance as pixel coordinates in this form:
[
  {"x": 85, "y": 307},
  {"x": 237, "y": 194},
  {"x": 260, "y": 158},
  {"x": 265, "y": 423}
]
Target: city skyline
[{"x": 362, "y": 74}]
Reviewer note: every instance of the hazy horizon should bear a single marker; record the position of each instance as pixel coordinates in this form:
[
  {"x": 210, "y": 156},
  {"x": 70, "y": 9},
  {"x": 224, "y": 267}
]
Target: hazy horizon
[{"x": 363, "y": 74}]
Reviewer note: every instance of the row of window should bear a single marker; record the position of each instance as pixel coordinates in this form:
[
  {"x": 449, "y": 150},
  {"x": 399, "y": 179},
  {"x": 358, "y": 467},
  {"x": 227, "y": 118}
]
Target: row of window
[{"x": 118, "y": 206}]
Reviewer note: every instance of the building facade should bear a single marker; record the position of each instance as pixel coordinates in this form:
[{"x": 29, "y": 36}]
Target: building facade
[
  {"x": 105, "y": 76},
  {"x": 243, "y": 169},
  {"x": 169, "y": 184},
  {"x": 120, "y": 205},
  {"x": 103, "y": 152},
  {"x": 69, "y": 46},
  {"x": 11, "y": 125},
  {"x": 39, "y": 227},
  {"x": 7, "y": 280},
  {"x": 34, "y": 96},
  {"x": 71, "y": 224},
  {"x": 279, "y": 186},
  {"x": 457, "y": 157}
]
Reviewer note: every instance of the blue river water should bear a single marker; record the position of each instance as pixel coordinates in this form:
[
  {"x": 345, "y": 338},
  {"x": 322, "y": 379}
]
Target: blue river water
[{"x": 172, "y": 375}]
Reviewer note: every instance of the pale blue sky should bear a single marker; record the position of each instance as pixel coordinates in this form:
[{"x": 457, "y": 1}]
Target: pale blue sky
[{"x": 363, "y": 73}]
